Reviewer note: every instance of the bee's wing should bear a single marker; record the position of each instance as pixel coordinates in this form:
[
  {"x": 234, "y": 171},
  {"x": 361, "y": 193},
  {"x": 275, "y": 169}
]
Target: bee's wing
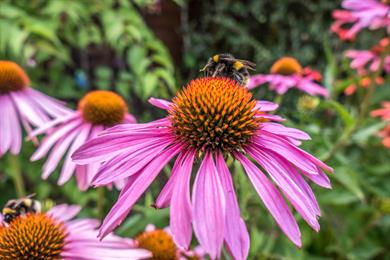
[
  {"x": 21, "y": 200},
  {"x": 250, "y": 65}
]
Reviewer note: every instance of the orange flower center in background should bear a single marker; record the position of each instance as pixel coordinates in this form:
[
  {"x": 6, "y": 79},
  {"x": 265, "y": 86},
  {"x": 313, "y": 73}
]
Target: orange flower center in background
[
  {"x": 159, "y": 242},
  {"x": 214, "y": 113},
  {"x": 103, "y": 108},
  {"x": 12, "y": 77},
  {"x": 286, "y": 66},
  {"x": 33, "y": 237}
]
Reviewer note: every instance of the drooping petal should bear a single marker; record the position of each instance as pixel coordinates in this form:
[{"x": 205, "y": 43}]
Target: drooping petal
[
  {"x": 236, "y": 233},
  {"x": 5, "y": 126},
  {"x": 278, "y": 170},
  {"x": 130, "y": 194},
  {"x": 58, "y": 152},
  {"x": 132, "y": 160},
  {"x": 69, "y": 166},
  {"x": 14, "y": 125},
  {"x": 272, "y": 199},
  {"x": 287, "y": 150},
  {"x": 209, "y": 208},
  {"x": 164, "y": 198},
  {"x": 180, "y": 211},
  {"x": 54, "y": 137}
]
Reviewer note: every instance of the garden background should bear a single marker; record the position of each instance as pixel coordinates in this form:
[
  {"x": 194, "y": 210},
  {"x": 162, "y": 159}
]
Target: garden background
[{"x": 145, "y": 48}]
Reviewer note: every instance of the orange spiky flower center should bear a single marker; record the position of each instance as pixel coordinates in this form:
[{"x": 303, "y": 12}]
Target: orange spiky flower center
[
  {"x": 214, "y": 113},
  {"x": 159, "y": 242},
  {"x": 33, "y": 237},
  {"x": 12, "y": 77},
  {"x": 386, "y": 2},
  {"x": 286, "y": 66},
  {"x": 103, "y": 108}
]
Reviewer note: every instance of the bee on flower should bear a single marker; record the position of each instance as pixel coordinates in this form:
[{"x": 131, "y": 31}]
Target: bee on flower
[
  {"x": 210, "y": 120},
  {"x": 57, "y": 235}
]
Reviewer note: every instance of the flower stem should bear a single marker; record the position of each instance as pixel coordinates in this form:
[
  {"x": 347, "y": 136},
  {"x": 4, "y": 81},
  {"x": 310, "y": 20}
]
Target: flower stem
[
  {"x": 364, "y": 107},
  {"x": 100, "y": 202},
  {"x": 16, "y": 172}
]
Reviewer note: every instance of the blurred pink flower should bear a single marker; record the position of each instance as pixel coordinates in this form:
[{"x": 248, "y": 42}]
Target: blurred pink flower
[
  {"x": 369, "y": 58},
  {"x": 20, "y": 104},
  {"x": 287, "y": 73},
  {"x": 364, "y": 82},
  {"x": 210, "y": 120},
  {"x": 371, "y": 14},
  {"x": 384, "y": 113},
  {"x": 56, "y": 235},
  {"x": 161, "y": 244},
  {"x": 97, "y": 111},
  {"x": 385, "y": 134}
]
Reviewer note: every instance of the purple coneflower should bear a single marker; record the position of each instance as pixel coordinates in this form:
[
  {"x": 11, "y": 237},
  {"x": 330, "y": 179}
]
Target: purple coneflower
[
  {"x": 209, "y": 121},
  {"x": 161, "y": 244},
  {"x": 20, "y": 104},
  {"x": 372, "y": 14},
  {"x": 56, "y": 235},
  {"x": 287, "y": 73},
  {"x": 361, "y": 59},
  {"x": 97, "y": 111}
]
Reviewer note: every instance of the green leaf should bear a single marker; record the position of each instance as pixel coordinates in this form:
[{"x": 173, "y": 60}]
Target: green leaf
[
  {"x": 350, "y": 180},
  {"x": 346, "y": 117}
]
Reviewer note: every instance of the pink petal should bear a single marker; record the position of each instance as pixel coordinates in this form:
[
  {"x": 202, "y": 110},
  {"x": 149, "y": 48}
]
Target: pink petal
[
  {"x": 160, "y": 103},
  {"x": 130, "y": 162},
  {"x": 278, "y": 170},
  {"x": 69, "y": 166},
  {"x": 54, "y": 137},
  {"x": 266, "y": 106},
  {"x": 236, "y": 235},
  {"x": 6, "y": 131},
  {"x": 58, "y": 152},
  {"x": 130, "y": 194},
  {"x": 273, "y": 200},
  {"x": 180, "y": 212},
  {"x": 279, "y": 129},
  {"x": 287, "y": 150},
  {"x": 164, "y": 198},
  {"x": 209, "y": 208}
]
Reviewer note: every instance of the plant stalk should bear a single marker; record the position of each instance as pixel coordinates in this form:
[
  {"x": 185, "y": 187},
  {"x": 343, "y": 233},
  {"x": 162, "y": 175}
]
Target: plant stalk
[{"x": 16, "y": 173}]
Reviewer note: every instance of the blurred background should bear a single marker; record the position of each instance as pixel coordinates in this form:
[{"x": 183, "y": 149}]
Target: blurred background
[{"x": 145, "y": 48}]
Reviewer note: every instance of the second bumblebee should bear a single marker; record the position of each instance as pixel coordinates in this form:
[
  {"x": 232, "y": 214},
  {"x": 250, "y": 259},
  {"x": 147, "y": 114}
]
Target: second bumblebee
[
  {"x": 225, "y": 65},
  {"x": 20, "y": 207}
]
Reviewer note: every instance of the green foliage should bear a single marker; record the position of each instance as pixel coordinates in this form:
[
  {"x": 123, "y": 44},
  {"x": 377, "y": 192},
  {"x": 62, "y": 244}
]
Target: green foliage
[
  {"x": 98, "y": 44},
  {"x": 72, "y": 46}
]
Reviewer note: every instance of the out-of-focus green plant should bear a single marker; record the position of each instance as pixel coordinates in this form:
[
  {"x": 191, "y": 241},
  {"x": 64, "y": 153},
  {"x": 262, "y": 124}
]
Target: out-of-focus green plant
[{"x": 86, "y": 45}]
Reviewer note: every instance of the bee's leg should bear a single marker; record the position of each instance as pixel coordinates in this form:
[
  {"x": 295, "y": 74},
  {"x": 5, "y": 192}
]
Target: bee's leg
[
  {"x": 238, "y": 77},
  {"x": 220, "y": 67}
]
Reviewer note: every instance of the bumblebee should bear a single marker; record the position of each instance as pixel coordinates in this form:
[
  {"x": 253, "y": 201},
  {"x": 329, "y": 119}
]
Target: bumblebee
[
  {"x": 20, "y": 207},
  {"x": 225, "y": 65}
]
